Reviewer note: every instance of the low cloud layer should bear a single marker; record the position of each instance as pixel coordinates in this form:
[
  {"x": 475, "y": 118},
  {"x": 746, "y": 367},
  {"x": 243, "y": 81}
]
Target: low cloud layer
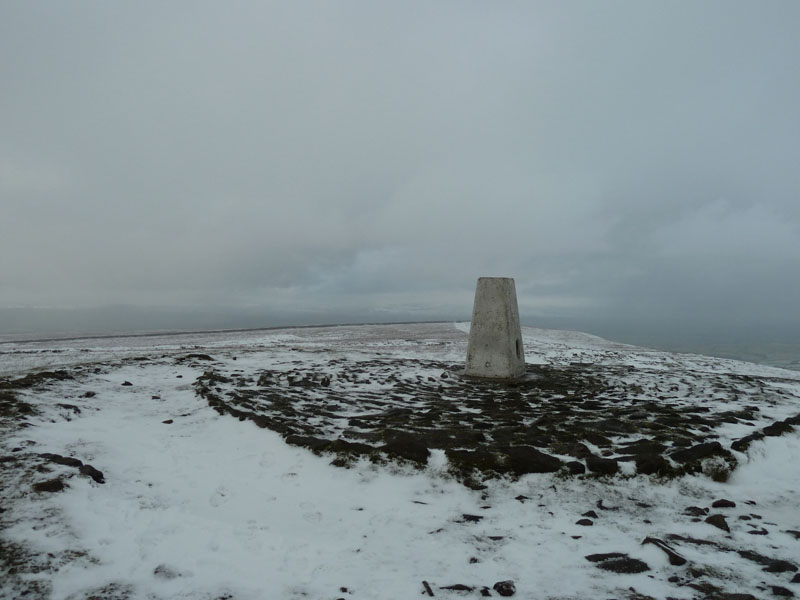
[{"x": 622, "y": 160}]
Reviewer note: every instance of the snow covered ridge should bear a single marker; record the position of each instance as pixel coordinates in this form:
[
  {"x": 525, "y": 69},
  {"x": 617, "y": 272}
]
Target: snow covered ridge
[{"x": 123, "y": 475}]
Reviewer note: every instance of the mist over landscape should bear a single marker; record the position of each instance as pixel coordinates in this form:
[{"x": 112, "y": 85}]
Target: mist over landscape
[{"x": 197, "y": 166}]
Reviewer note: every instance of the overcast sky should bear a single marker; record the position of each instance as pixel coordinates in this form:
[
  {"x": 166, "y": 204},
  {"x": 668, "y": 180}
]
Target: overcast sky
[{"x": 626, "y": 160}]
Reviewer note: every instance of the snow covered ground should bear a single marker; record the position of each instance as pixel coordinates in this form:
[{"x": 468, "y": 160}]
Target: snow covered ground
[{"x": 198, "y": 504}]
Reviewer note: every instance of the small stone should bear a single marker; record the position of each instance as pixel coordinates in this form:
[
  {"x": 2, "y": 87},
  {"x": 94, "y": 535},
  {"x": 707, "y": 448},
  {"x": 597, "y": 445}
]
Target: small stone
[
  {"x": 779, "y": 590},
  {"x": 168, "y": 422},
  {"x": 126, "y": 383},
  {"x": 590, "y": 514},
  {"x": 796, "y": 578},
  {"x": 505, "y": 588},
  {"x": 584, "y": 522},
  {"x": 88, "y": 394},
  {"x": 723, "y": 503},
  {"x": 466, "y": 518},
  {"x": 719, "y": 521}
]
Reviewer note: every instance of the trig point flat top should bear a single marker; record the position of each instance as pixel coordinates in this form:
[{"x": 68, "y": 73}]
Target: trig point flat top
[{"x": 495, "y": 338}]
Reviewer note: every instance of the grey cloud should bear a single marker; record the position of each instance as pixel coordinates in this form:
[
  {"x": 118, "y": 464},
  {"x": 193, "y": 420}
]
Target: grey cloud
[{"x": 619, "y": 159}]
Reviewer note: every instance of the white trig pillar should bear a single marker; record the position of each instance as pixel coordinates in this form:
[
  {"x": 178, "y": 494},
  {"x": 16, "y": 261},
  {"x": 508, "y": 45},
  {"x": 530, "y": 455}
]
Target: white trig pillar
[{"x": 495, "y": 338}]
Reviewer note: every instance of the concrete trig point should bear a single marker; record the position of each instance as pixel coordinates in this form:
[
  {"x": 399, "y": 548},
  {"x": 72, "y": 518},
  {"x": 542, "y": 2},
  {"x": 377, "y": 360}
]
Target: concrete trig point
[{"x": 495, "y": 338}]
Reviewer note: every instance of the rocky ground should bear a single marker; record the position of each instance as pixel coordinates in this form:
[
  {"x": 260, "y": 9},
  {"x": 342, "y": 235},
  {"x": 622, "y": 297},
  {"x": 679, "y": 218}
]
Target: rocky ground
[{"x": 576, "y": 418}]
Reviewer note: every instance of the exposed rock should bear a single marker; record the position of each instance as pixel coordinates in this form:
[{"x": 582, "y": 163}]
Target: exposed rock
[
  {"x": 314, "y": 444},
  {"x": 505, "y": 588},
  {"x": 62, "y": 460},
  {"x": 575, "y": 467},
  {"x": 90, "y": 471},
  {"x": 406, "y": 445},
  {"x": 719, "y": 521},
  {"x": 618, "y": 562},
  {"x": 467, "y": 518},
  {"x": 652, "y": 464},
  {"x": 527, "y": 459},
  {"x": 778, "y": 590},
  {"x": 584, "y": 522},
  {"x": 602, "y": 466},
  {"x": 780, "y": 566},
  {"x": 723, "y": 503},
  {"x": 127, "y": 383},
  {"x": 458, "y": 587},
  {"x": 742, "y": 444},
  {"x": 777, "y": 429},
  {"x": 675, "y": 559},
  {"x": 52, "y": 485},
  {"x": 698, "y": 452},
  {"x": 695, "y": 511},
  {"x": 646, "y": 447}
]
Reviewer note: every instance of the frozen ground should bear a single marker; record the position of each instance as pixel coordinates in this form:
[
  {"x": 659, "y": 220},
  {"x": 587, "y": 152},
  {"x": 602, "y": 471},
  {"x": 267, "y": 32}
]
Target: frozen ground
[{"x": 195, "y": 503}]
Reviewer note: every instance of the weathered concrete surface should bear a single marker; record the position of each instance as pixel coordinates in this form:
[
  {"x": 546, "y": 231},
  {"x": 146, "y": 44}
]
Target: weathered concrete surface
[{"x": 495, "y": 338}]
